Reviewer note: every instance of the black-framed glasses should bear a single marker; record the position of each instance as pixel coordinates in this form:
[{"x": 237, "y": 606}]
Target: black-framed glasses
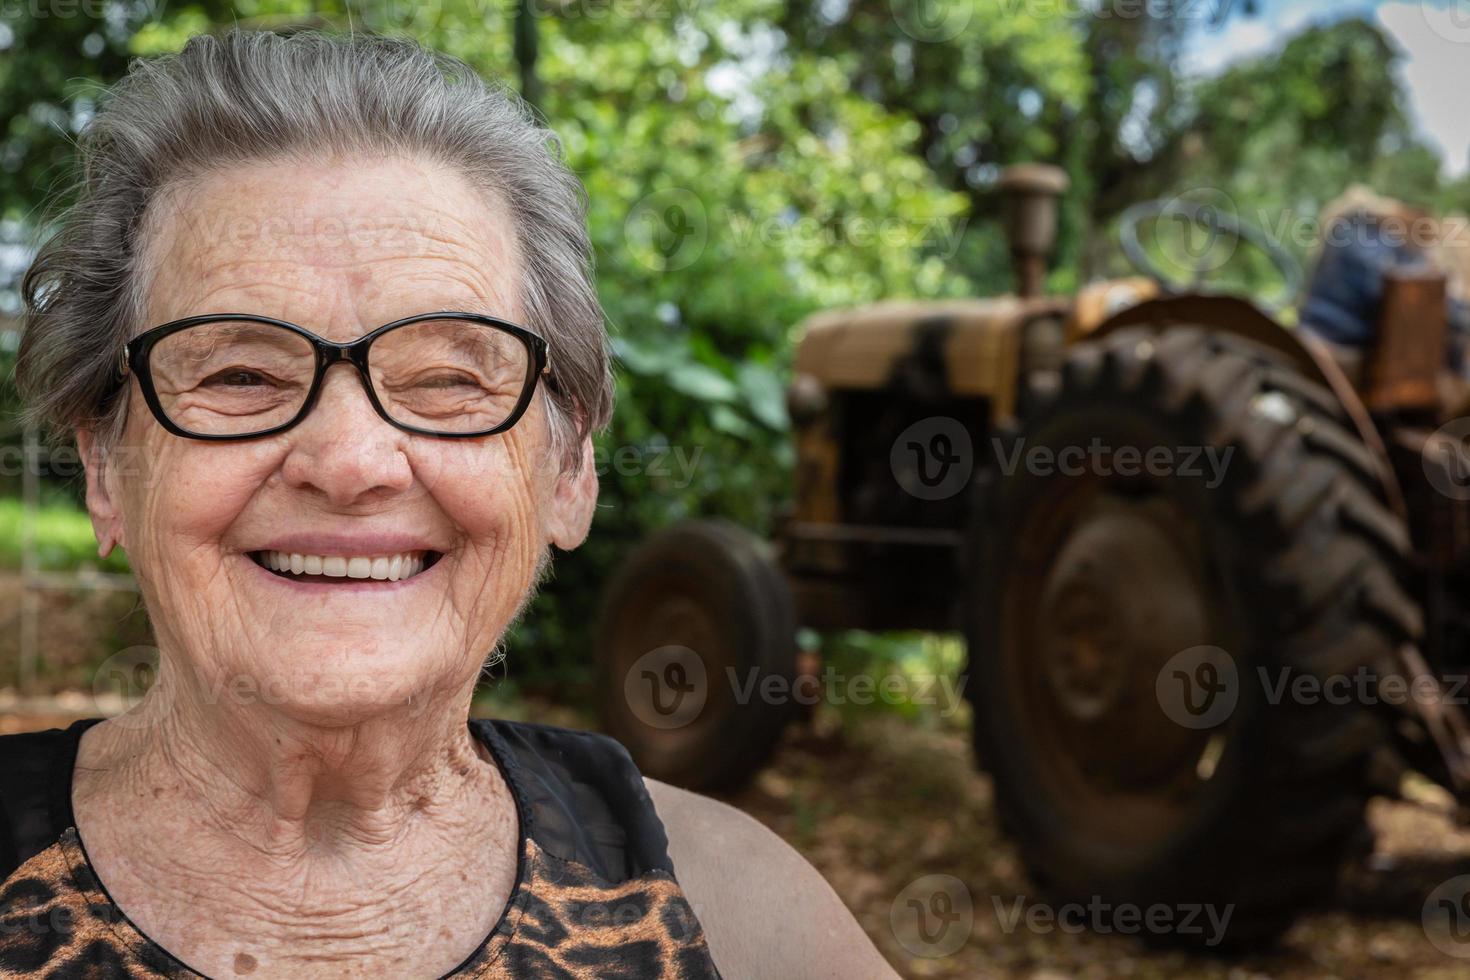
[{"x": 240, "y": 376}]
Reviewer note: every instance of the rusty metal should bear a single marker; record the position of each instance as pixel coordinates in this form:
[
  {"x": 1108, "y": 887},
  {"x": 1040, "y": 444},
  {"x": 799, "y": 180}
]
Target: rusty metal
[
  {"x": 817, "y": 472},
  {"x": 1435, "y": 459},
  {"x": 1408, "y": 351},
  {"x": 1095, "y": 619},
  {"x": 1106, "y": 590},
  {"x": 817, "y": 450},
  {"x": 918, "y": 537},
  {"x": 1099, "y": 301},
  {"x": 857, "y": 349},
  {"x": 806, "y": 399},
  {"x": 1228, "y": 313},
  {"x": 1444, "y": 720},
  {"x": 1030, "y": 195},
  {"x": 1363, "y": 426},
  {"x": 843, "y": 575}
]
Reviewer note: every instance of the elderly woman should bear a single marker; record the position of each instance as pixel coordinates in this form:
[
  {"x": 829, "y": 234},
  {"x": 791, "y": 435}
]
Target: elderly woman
[{"x": 323, "y": 322}]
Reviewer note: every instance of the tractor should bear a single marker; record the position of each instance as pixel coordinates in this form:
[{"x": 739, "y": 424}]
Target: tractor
[{"x": 1210, "y": 565}]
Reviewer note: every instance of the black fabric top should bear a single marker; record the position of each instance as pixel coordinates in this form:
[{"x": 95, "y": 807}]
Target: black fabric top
[{"x": 588, "y": 830}]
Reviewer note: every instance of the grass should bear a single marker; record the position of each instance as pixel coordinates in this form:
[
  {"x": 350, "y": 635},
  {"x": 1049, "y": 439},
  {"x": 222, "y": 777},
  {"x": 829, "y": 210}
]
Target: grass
[
  {"x": 64, "y": 539},
  {"x": 911, "y": 674}
]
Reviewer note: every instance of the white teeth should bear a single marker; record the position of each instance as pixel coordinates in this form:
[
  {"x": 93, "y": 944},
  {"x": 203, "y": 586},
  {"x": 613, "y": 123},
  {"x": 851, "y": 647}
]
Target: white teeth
[{"x": 381, "y": 567}]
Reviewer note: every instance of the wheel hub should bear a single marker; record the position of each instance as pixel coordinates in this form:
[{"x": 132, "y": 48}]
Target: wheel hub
[{"x": 1120, "y": 597}]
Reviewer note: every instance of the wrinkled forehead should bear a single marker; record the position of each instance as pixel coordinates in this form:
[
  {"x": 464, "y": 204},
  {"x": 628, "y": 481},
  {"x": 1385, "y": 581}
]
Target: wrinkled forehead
[{"x": 338, "y": 247}]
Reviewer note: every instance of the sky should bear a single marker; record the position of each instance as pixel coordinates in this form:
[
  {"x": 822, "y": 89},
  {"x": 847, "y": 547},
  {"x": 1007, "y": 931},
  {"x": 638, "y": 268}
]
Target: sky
[{"x": 1433, "y": 34}]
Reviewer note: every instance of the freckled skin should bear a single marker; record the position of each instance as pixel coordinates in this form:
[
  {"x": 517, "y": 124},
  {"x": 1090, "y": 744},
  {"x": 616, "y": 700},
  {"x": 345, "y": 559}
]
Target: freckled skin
[
  {"x": 315, "y": 801},
  {"x": 339, "y": 256}
]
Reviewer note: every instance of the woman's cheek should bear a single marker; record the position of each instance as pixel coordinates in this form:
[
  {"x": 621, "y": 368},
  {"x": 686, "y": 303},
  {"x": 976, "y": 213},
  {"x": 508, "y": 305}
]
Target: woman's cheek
[
  {"x": 487, "y": 490},
  {"x": 502, "y": 542},
  {"x": 184, "y": 509}
]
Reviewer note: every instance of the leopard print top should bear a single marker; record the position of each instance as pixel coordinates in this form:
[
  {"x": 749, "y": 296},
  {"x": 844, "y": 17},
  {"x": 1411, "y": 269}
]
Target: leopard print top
[{"x": 595, "y": 893}]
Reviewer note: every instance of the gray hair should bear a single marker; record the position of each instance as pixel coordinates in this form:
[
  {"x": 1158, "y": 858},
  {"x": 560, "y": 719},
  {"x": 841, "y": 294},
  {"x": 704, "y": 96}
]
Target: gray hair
[{"x": 244, "y": 96}]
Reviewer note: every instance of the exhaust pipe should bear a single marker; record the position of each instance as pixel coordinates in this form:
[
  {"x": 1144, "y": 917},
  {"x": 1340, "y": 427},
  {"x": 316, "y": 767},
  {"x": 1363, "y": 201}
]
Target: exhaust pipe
[{"x": 1030, "y": 193}]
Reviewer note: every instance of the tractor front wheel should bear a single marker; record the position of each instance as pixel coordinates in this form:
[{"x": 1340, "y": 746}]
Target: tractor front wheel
[{"x": 696, "y": 648}]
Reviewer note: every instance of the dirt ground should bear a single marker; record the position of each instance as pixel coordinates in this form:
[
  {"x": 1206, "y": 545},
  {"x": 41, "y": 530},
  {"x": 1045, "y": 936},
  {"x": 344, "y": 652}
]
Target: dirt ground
[
  {"x": 892, "y": 804},
  {"x": 882, "y": 808}
]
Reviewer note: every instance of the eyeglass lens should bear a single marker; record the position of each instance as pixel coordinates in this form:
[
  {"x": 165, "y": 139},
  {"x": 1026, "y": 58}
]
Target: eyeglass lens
[{"x": 237, "y": 377}]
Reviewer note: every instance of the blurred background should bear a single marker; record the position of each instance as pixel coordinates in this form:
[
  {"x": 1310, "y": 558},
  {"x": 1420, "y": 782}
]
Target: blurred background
[{"x": 748, "y": 163}]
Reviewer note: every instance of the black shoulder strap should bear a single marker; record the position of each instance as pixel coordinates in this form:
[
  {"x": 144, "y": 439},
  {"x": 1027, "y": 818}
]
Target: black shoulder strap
[
  {"x": 581, "y": 796},
  {"x": 35, "y": 791}
]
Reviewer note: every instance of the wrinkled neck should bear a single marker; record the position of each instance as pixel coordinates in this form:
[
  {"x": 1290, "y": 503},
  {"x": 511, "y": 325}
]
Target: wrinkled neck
[{"x": 284, "y": 786}]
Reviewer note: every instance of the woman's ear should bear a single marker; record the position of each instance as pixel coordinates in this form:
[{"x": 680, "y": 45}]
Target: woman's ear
[
  {"x": 574, "y": 502},
  {"x": 102, "y": 505}
]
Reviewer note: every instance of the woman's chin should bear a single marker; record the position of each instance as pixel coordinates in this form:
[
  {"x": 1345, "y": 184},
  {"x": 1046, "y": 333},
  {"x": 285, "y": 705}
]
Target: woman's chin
[
  {"x": 328, "y": 683},
  {"x": 367, "y": 615}
]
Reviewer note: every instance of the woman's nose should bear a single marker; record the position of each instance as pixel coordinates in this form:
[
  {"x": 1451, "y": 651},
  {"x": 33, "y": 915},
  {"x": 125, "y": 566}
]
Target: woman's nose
[{"x": 343, "y": 447}]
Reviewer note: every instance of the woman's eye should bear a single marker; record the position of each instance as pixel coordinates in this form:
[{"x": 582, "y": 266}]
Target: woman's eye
[
  {"x": 235, "y": 378},
  {"x": 447, "y": 381}
]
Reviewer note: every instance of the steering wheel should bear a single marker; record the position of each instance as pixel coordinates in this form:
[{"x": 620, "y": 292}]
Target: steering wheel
[{"x": 1218, "y": 224}]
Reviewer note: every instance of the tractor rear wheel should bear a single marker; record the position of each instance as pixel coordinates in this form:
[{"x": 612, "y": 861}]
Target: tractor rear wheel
[
  {"x": 1183, "y": 528},
  {"x": 696, "y": 648}
]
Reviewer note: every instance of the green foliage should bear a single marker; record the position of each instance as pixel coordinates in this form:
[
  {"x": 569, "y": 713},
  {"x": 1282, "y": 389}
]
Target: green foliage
[
  {"x": 912, "y": 675},
  {"x": 751, "y": 161},
  {"x": 50, "y": 70},
  {"x": 63, "y": 536},
  {"x": 716, "y": 232},
  {"x": 1331, "y": 88},
  {"x": 1273, "y": 139},
  {"x": 988, "y": 83}
]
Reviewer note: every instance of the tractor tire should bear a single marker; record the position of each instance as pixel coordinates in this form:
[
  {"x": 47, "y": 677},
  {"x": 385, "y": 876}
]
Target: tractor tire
[
  {"x": 694, "y": 626},
  {"x": 1131, "y": 632}
]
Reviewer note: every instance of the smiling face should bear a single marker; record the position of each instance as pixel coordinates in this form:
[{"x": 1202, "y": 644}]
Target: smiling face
[{"x": 224, "y": 536}]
